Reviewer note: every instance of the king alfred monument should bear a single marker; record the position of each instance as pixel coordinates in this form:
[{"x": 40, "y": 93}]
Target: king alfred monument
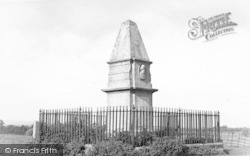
[{"x": 129, "y": 78}]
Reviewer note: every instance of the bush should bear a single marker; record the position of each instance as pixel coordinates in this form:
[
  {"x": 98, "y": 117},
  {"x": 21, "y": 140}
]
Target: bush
[
  {"x": 111, "y": 148},
  {"x": 66, "y": 131},
  {"x": 55, "y": 140},
  {"x": 203, "y": 150},
  {"x": 141, "y": 139},
  {"x": 167, "y": 131},
  {"x": 246, "y": 132},
  {"x": 160, "y": 146},
  {"x": 74, "y": 148},
  {"x": 193, "y": 140},
  {"x": 169, "y": 147},
  {"x": 29, "y": 132}
]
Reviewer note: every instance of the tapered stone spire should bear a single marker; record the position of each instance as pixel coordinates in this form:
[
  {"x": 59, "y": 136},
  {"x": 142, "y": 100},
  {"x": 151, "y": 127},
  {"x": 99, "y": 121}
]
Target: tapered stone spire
[
  {"x": 129, "y": 43},
  {"x": 129, "y": 82}
]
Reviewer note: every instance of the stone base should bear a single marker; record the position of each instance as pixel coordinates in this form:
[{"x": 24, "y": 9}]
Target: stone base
[
  {"x": 36, "y": 130},
  {"x": 131, "y": 97}
]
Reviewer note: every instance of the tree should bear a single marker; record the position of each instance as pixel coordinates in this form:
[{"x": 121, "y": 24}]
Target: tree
[
  {"x": 246, "y": 132},
  {"x": 224, "y": 128},
  {"x": 1, "y": 124}
]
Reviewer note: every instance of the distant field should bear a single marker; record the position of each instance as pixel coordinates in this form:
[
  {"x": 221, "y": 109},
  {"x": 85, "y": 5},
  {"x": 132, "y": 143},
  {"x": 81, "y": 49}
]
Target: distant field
[{"x": 15, "y": 139}]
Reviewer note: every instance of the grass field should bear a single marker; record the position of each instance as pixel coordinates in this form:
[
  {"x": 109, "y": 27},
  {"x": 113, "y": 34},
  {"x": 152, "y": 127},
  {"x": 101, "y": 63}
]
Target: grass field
[
  {"x": 236, "y": 143},
  {"x": 15, "y": 139},
  {"x": 235, "y": 139},
  {"x": 241, "y": 151}
]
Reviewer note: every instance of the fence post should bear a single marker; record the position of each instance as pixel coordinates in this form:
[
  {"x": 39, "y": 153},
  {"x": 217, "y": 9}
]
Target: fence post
[
  {"x": 108, "y": 121},
  {"x": 232, "y": 139},
  {"x": 238, "y": 140},
  {"x": 37, "y": 128},
  {"x": 127, "y": 121},
  {"x": 244, "y": 141},
  {"x": 218, "y": 124},
  {"x": 55, "y": 121},
  {"x": 123, "y": 120},
  {"x": 205, "y": 127},
  {"x": 160, "y": 122},
  {"x": 168, "y": 123},
  {"x": 200, "y": 125},
  {"x": 80, "y": 123},
  {"x": 96, "y": 125},
  {"x": 179, "y": 126},
  {"x": 120, "y": 115},
  {"x": 131, "y": 127},
  {"x": 215, "y": 125},
  {"x": 40, "y": 123}
]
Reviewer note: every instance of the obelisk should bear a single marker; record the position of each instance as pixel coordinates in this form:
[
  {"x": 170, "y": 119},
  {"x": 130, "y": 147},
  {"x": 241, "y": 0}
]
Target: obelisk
[{"x": 129, "y": 79}]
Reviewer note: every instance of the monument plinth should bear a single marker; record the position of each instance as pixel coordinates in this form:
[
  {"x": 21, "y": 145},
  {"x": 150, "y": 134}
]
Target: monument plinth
[{"x": 129, "y": 79}]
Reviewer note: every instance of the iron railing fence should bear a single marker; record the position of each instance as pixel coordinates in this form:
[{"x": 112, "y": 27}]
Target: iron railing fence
[{"x": 105, "y": 123}]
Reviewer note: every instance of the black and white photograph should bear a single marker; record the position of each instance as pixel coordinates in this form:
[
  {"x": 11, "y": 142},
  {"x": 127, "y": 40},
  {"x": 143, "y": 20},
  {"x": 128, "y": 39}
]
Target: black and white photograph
[{"x": 124, "y": 78}]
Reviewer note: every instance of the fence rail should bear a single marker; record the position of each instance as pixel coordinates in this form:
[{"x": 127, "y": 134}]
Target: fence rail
[
  {"x": 235, "y": 139},
  {"x": 107, "y": 122}
]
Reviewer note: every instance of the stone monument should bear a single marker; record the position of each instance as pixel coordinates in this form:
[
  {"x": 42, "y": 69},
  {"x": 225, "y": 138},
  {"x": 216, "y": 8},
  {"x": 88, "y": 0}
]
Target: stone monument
[{"x": 129, "y": 79}]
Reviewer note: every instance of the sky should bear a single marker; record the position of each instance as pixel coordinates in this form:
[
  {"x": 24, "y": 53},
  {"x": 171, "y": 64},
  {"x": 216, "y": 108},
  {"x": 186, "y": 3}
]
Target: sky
[{"x": 53, "y": 54}]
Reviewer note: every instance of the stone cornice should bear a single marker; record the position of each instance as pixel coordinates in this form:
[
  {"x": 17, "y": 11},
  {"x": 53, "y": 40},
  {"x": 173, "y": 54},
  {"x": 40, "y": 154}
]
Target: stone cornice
[
  {"x": 131, "y": 60},
  {"x": 151, "y": 90}
]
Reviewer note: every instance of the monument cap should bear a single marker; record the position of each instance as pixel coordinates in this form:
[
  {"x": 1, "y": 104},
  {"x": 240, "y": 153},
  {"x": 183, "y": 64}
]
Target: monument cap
[{"x": 129, "y": 44}]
